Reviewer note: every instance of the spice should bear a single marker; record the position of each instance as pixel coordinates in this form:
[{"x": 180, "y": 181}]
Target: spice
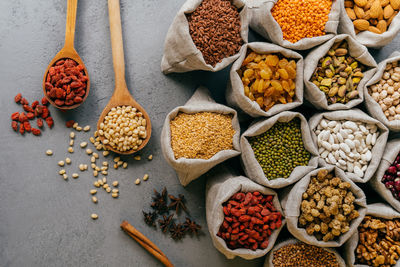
[
  {"x": 201, "y": 135},
  {"x": 215, "y": 30},
  {"x": 347, "y": 144},
  {"x": 372, "y": 15},
  {"x": 177, "y": 231},
  {"x": 268, "y": 79},
  {"x": 149, "y": 218},
  {"x": 177, "y": 203},
  {"x": 338, "y": 74},
  {"x": 300, "y": 19},
  {"x": 328, "y": 207},
  {"x": 386, "y": 91},
  {"x": 66, "y": 83},
  {"x": 123, "y": 128},
  {"x": 391, "y": 178},
  {"x": 191, "y": 226},
  {"x": 302, "y": 254},
  {"x": 280, "y": 149},
  {"x": 165, "y": 222},
  {"x": 249, "y": 219},
  {"x": 378, "y": 242},
  {"x": 160, "y": 201},
  {"x": 20, "y": 121}
]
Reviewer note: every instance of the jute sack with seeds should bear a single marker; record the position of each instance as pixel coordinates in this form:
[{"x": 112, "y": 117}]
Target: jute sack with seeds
[
  {"x": 263, "y": 22},
  {"x": 318, "y": 216},
  {"x": 218, "y": 35},
  {"x": 389, "y": 96},
  {"x": 270, "y": 257},
  {"x": 378, "y": 211},
  {"x": 221, "y": 186},
  {"x": 272, "y": 84},
  {"x": 350, "y": 140},
  {"x": 287, "y": 158},
  {"x": 336, "y": 72},
  {"x": 187, "y": 140},
  {"x": 373, "y": 23},
  {"x": 378, "y": 183}
]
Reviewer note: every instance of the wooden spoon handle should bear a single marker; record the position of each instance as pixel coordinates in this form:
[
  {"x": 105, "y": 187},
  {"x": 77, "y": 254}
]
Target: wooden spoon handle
[
  {"x": 116, "y": 43},
  {"x": 70, "y": 25}
]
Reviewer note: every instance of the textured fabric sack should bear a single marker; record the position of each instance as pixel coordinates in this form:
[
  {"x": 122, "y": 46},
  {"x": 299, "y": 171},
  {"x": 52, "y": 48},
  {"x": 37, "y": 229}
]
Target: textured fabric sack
[
  {"x": 180, "y": 52},
  {"x": 235, "y": 92},
  {"x": 367, "y": 38},
  {"x": 190, "y": 169},
  {"x": 390, "y": 154},
  {"x": 221, "y": 185},
  {"x": 318, "y": 98},
  {"x": 372, "y": 106},
  {"x": 270, "y": 256},
  {"x": 250, "y": 164},
  {"x": 377, "y": 210},
  {"x": 264, "y": 23},
  {"x": 354, "y": 115},
  {"x": 292, "y": 210}
]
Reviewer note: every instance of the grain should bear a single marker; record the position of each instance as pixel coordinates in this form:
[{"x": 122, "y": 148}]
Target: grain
[{"x": 201, "y": 135}]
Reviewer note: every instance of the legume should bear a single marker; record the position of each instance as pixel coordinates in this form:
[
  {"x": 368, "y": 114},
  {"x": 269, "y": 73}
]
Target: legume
[
  {"x": 201, "y": 135},
  {"x": 280, "y": 149},
  {"x": 268, "y": 79},
  {"x": 301, "y": 18},
  {"x": 215, "y": 29},
  {"x": 301, "y": 254},
  {"x": 49, "y": 152}
]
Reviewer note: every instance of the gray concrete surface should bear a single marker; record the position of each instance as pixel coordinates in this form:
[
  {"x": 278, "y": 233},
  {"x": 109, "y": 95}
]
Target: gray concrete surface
[{"x": 44, "y": 220}]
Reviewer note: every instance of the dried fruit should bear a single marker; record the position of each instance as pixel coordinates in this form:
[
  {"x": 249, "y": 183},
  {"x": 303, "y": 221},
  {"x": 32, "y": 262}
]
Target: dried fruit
[
  {"x": 15, "y": 116},
  {"x": 36, "y": 131},
  {"x": 27, "y": 126},
  {"x": 14, "y": 125},
  {"x": 39, "y": 122},
  {"x": 18, "y": 98},
  {"x": 50, "y": 122}
]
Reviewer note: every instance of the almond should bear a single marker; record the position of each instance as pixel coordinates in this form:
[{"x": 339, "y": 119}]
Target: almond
[
  {"x": 388, "y": 11},
  {"x": 395, "y": 4},
  {"x": 392, "y": 17},
  {"x": 361, "y": 3},
  {"x": 367, "y": 15},
  {"x": 361, "y": 24},
  {"x": 384, "y": 2},
  {"x": 382, "y": 25},
  {"x": 374, "y": 30},
  {"x": 351, "y": 14},
  {"x": 376, "y": 9},
  {"x": 368, "y": 5},
  {"x": 360, "y": 14},
  {"x": 373, "y": 22},
  {"x": 348, "y": 4}
]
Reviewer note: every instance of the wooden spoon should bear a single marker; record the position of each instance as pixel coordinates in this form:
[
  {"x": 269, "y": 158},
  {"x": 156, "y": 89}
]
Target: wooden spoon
[
  {"x": 121, "y": 95},
  {"x": 68, "y": 51}
]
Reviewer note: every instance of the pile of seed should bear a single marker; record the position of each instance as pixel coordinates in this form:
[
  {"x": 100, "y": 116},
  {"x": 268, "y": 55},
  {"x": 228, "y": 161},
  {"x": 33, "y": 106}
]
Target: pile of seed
[
  {"x": 123, "y": 128},
  {"x": 215, "y": 29},
  {"x": 201, "y": 135},
  {"x": 338, "y": 74},
  {"x": 280, "y": 149},
  {"x": 301, "y": 254}
]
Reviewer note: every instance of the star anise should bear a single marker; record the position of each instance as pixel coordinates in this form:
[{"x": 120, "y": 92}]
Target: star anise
[
  {"x": 160, "y": 201},
  {"x": 149, "y": 218},
  {"x": 165, "y": 223},
  {"x": 177, "y": 203},
  {"x": 177, "y": 231},
  {"x": 191, "y": 226}
]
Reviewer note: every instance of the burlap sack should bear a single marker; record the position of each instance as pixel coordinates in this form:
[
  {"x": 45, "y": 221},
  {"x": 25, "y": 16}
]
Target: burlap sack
[
  {"x": 367, "y": 38},
  {"x": 318, "y": 98},
  {"x": 354, "y": 115},
  {"x": 391, "y": 151},
  {"x": 190, "y": 169},
  {"x": 378, "y": 210},
  {"x": 372, "y": 106},
  {"x": 292, "y": 210},
  {"x": 221, "y": 185},
  {"x": 250, "y": 164},
  {"x": 264, "y": 23},
  {"x": 181, "y": 54},
  {"x": 235, "y": 92},
  {"x": 270, "y": 256}
]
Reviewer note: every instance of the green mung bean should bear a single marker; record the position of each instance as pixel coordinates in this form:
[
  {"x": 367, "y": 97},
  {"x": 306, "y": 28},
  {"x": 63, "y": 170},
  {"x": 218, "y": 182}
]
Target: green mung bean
[{"x": 280, "y": 149}]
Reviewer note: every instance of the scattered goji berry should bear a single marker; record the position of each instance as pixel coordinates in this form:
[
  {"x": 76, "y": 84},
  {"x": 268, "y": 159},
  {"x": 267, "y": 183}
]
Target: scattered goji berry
[
  {"x": 24, "y": 101},
  {"x": 22, "y": 117},
  {"x": 50, "y": 122},
  {"x": 34, "y": 104},
  {"x": 69, "y": 123},
  {"x": 21, "y": 128},
  {"x": 45, "y": 112},
  {"x": 27, "y": 108},
  {"x": 14, "y": 125},
  {"x": 30, "y": 115},
  {"x": 15, "y": 116},
  {"x": 36, "y": 131},
  {"x": 18, "y": 98},
  {"x": 27, "y": 126},
  {"x": 45, "y": 102},
  {"x": 39, "y": 122}
]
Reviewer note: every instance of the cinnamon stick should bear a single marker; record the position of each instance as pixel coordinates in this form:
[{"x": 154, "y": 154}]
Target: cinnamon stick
[{"x": 146, "y": 243}]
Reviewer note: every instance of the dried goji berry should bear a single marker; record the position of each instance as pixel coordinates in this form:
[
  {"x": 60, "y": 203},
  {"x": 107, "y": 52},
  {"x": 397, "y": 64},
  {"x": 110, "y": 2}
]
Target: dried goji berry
[
  {"x": 36, "y": 131},
  {"x": 45, "y": 112},
  {"x": 14, "y": 125},
  {"x": 50, "y": 122},
  {"x": 24, "y": 101},
  {"x": 18, "y": 98},
  {"x": 45, "y": 102},
  {"x": 69, "y": 123},
  {"x": 21, "y": 128},
  {"x": 34, "y": 104},
  {"x": 15, "y": 116},
  {"x": 22, "y": 117},
  {"x": 30, "y": 115},
  {"x": 28, "y": 108},
  {"x": 27, "y": 126},
  {"x": 39, "y": 122},
  {"x": 59, "y": 102}
]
